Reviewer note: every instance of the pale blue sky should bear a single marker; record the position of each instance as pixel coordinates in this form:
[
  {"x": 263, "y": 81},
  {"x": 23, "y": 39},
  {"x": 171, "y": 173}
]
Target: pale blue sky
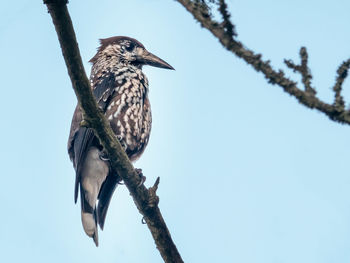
[{"x": 247, "y": 174}]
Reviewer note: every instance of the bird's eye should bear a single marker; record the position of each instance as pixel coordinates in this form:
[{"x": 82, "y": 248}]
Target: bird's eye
[{"x": 130, "y": 47}]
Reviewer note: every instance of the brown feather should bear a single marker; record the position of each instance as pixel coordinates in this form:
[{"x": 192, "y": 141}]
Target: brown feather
[{"x": 104, "y": 42}]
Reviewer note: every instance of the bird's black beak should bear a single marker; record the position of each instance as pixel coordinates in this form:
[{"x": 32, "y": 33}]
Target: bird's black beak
[{"x": 149, "y": 59}]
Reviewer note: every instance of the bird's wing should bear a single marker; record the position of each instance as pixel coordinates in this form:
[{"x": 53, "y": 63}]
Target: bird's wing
[
  {"x": 104, "y": 90},
  {"x": 82, "y": 142},
  {"x": 75, "y": 125},
  {"x": 81, "y": 138}
]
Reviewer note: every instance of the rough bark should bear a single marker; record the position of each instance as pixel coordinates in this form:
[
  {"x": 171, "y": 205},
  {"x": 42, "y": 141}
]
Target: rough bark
[{"x": 145, "y": 199}]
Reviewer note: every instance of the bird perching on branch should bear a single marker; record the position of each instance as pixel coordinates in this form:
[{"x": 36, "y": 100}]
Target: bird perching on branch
[{"x": 121, "y": 90}]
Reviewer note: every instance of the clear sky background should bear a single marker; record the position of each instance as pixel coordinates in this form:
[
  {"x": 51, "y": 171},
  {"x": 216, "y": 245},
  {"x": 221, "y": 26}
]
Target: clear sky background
[{"x": 248, "y": 175}]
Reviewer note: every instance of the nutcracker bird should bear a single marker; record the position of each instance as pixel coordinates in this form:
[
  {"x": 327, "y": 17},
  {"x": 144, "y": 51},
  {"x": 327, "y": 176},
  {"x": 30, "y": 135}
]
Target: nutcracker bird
[{"x": 121, "y": 90}]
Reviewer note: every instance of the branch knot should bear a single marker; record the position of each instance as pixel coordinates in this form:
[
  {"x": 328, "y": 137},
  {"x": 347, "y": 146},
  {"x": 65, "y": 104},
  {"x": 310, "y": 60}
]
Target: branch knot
[{"x": 153, "y": 199}]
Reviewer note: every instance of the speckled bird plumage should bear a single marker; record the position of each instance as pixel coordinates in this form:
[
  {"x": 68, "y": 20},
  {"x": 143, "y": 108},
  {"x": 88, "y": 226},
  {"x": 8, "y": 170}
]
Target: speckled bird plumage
[{"x": 121, "y": 90}]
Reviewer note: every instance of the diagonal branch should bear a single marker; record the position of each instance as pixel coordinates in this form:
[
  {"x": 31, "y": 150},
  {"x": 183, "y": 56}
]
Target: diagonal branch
[
  {"x": 306, "y": 97},
  {"x": 145, "y": 199}
]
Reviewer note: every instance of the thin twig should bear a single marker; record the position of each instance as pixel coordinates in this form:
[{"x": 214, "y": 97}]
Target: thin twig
[
  {"x": 306, "y": 97},
  {"x": 304, "y": 71},
  {"x": 229, "y": 27},
  {"x": 342, "y": 73},
  {"x": 96, "y": 120}
]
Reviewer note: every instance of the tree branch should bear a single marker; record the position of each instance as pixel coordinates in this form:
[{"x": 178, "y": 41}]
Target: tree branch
[
  {"x": 145, "y": 199},
  {"x": 229, "y": 27},
  {"x": 307, "y": 97},
  {"x": 342, "y": 74},
  {"x": 304, "y": 70}
]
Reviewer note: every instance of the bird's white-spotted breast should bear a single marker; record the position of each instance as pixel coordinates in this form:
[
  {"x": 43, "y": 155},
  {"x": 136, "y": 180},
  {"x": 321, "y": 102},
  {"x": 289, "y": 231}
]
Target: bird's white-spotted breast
[{"x": 128, "y": 109}]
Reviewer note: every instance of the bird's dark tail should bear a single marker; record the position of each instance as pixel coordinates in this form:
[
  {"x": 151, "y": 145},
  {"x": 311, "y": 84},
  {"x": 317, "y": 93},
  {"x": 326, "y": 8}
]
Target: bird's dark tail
[{"x": 105, "y": 197}]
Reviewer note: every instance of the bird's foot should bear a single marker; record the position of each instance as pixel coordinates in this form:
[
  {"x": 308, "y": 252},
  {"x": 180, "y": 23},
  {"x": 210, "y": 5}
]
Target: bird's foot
[
  {"x": 142, "y": 177},
  {"x": 122, "y": 142},
  {"x": 103, "y": 156}
]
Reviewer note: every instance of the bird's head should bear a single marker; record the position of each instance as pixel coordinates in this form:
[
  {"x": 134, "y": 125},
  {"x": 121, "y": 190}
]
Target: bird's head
[{"x": 127, "y": 51}]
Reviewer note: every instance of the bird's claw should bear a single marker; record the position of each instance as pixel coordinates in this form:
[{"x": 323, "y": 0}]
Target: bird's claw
[
  {"x": 103, "y": 156},
  {"x": 142, "y": 177},
  {"x": 123, "y": 144}
]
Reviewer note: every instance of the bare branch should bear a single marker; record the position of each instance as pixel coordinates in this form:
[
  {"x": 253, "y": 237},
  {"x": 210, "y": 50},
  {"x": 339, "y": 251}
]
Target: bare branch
[
  {"x": 96, "y": 120},
  {"x": 292, "y": 65},
  {"x": 229, "y": 27},
  {"x": 306, "y": 97},
  {"x": 342, "y": 73},
  {"x": 304, "y": 70}
]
